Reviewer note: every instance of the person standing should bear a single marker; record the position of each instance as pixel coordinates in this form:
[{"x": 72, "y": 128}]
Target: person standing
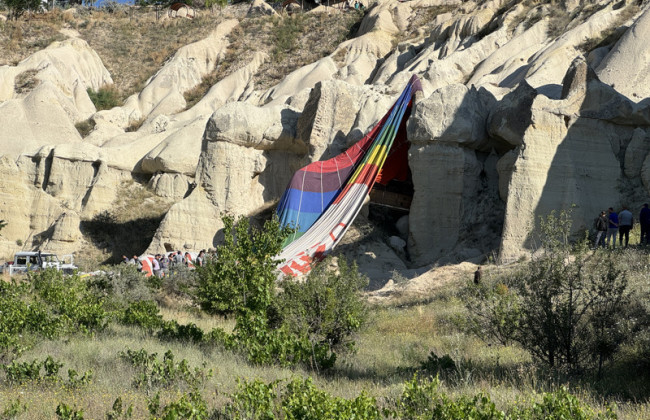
[
  {"x": 644, "y": 221},
  {"x": 612, "y": 230},
  {"x": 601, "y": 229},
  {"x": 164, "y": 264},
  {"x": 626, "y": 222},
  {"x": 156, "y": 266},
  {"x": 477, "y": 275}
]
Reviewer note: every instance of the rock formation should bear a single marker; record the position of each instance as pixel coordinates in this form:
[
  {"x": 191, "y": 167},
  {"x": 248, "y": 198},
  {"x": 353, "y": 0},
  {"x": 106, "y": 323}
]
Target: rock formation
[{"x": 524, "y": 111}]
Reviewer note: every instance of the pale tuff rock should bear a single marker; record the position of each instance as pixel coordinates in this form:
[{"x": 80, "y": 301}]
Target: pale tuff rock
[
  {"x": 66, "y": 228},
  {"x": 80, "y": 176},
  {"x": 565, "y": 160},
  {"x": 627, "y": 66},
  {"x": 41, "y": 118},
  {"x": 337, "y": 114},
  {"x": 66, "y": 64},
  {"x": 178, "y": 152},
  {"x": 46, "y": 114},
  {"x": 437, "y": 210},
  {"x": 193, "y": 221},
  {"x": 636, "y": 152},
  {"x": 505, "y": 125},
  {"x": 303, "y": 78},
  {"x": 170, "y": 185},
  {"x": 260, "y": 8},
  {"x": 503, "y": 65},
  {"x": 234, "y": 87},
  {"x": 452, "y": 206},
  {"x": 461, "y": 116},
  {"x": 491, "y": 152},
  {"x": 547, "y": 67},
  {"x": 645, "y": 174},
  {"x": 247, "y": 158}
]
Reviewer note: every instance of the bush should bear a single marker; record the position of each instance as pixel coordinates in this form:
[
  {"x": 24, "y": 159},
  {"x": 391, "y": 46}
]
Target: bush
[
  {"x": 172, "y": 330},
  {"x": 144, "y": 314},
  {"x": 307, "y": 322},
  {"x": 421, "y": 399},
  {"x": 188, "y": 406},
  {"x": 242, "y": 278},
  {"x": 49, "y": 304},
  {"x": 566, "y": 308},
  {"x": 560, "y": 405},
  {"x": 106, "y": 97},
  {"x": 154, "y": 373},
  {"x": 326, "y": 308}
]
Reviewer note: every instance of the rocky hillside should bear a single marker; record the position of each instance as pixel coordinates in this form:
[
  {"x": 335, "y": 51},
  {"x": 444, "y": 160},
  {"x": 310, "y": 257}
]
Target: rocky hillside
[{"x": 527, "y": 106}]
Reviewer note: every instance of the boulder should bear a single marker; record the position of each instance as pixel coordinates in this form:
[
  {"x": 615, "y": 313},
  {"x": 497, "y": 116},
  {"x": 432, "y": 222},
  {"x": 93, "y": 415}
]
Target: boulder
[
  {"x": 627, "y": 66},
  {"x": 260, "y": 8},
  {"x": 460, "y": 117}
]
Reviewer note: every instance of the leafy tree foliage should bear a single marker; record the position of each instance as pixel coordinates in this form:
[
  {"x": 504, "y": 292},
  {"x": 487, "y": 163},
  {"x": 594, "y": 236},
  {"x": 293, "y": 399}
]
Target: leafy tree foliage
[
  {"x": 308, "y": 322},
  {"x": 566, "y": 307},
  {"x": 18, "y": 7},
  {"x": 242, "y": 278},
  {"x": 326, "y": 308}
]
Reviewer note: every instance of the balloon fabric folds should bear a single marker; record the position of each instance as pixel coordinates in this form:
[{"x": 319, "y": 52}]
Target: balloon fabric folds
[{"x": 323, "y": 198}]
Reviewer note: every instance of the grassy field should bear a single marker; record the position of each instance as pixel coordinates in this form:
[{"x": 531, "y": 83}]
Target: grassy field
[{"x": 393, "y": 347}]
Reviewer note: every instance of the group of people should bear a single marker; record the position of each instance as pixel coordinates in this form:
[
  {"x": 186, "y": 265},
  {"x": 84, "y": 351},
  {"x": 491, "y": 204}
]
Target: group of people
[
  {"x": 610, "y": 224},
  {"x": 162, "y": 263}
]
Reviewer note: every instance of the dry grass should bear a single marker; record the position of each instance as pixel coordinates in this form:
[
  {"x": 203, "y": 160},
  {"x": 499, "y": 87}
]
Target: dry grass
[
  {"x": 398, "y": 340},
  {"x": 133, "y": 47},
  {"x": 27, "y": 35}
]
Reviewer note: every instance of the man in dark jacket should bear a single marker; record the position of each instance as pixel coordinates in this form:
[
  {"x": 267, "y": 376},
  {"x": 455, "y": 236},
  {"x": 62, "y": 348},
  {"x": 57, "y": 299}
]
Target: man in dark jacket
[
  {"x": 601, "y": 229},
  {"x": 644, "y": 221}
]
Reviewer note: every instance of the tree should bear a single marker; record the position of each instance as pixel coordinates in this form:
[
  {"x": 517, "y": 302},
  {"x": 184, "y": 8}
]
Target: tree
[
  {"x": 18, "y": 7},
  {"x": 242, "y": 277},
  {"x": 326, "y": 308},
  {"x": 565, "y": 307},
  {"x": 305, "y": 322}
]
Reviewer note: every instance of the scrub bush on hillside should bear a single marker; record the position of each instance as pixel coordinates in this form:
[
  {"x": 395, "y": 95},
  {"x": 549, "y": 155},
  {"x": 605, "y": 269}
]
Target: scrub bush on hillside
[
  {"x": 307, "y": 323},
  {"x": 568, "y": 308}
]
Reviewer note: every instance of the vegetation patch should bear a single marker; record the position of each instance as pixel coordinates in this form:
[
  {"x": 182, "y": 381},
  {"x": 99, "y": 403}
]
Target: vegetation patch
[{"x": 106, "y": 97}]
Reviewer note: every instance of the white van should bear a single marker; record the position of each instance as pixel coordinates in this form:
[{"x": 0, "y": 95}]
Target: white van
[{"x": 39, "y": 260}]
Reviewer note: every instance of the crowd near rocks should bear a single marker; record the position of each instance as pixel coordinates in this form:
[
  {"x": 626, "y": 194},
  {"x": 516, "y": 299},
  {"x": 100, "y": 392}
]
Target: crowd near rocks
[
  {"x": 610, "y": 224},
  {"x": 159, "y": 265}
]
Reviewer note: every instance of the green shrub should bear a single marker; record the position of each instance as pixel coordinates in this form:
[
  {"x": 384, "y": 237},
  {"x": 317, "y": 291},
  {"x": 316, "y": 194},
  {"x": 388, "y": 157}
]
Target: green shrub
[
  {"x": 49, "y": 304},
  {"x": 154, "y": 373},
  {"x": 421, "y": 399},
  {"x": 434, "y": 364},
  {"x": 252, "y": 400},
  {"x": 85, "y": 127},
  {"x": 22, "y": 372},
  {"x": 144, "y": 314},
  {"x": 118, "y": 412},
  {"x": 560, "y": 405},
  {"x": 302, "y": 400},
  {"x": 326, "y": 308},
  {"x": 65, "y": 412},
  {"x": 106, "y": 97},
  {"x": 565, "y": 308},
  {"x": 172, "y": 330},
  {"x": 242, "y": 278},
  {"x": 13, "y": 409},
  {"x": 189, "y": 406}
]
